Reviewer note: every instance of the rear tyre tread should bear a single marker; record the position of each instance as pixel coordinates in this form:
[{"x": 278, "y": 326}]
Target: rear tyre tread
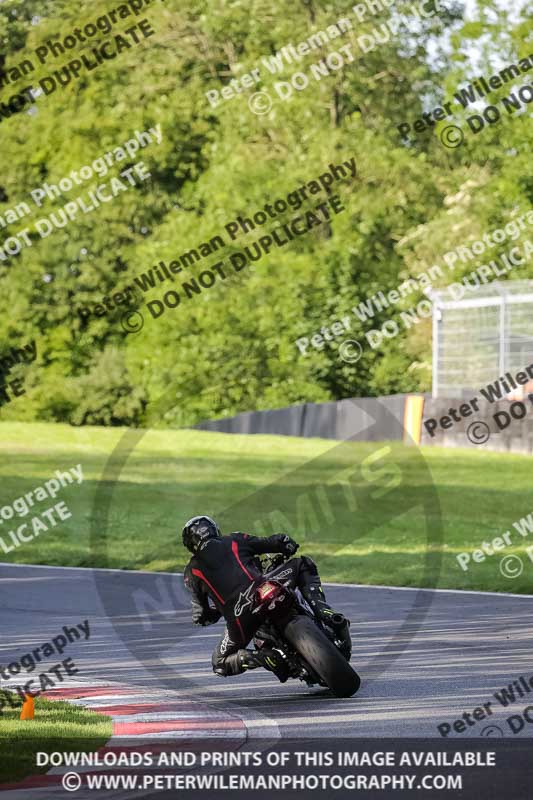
[{"x": 322, "y": 656}]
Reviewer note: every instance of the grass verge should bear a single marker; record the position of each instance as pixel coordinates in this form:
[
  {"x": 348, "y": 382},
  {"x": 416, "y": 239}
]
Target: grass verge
[
  {"x": 367, "y": 512},
  {"x": 57, "y": 726}
]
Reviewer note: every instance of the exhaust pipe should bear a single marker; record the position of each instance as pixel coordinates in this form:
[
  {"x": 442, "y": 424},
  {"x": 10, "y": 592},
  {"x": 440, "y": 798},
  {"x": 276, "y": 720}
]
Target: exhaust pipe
[{"x": 338, "y": 620}]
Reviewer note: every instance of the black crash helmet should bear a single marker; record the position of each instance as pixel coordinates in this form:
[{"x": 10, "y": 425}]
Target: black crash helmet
[{"x": 199, "y": 530}]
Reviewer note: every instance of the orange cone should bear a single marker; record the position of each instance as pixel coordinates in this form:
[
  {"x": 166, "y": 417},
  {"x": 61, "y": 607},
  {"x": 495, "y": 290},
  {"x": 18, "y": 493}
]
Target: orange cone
[{"x": 28, "y": 708}]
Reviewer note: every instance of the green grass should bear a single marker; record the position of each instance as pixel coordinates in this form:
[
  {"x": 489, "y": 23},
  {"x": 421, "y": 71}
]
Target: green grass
[
  {"x": 57, "y": 726},
  {"x": 367, "y": 512}
]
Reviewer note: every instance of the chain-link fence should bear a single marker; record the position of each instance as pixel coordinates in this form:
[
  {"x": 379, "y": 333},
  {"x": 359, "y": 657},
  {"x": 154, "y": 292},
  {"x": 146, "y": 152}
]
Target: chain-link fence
[{"x": 477, "y": 339}]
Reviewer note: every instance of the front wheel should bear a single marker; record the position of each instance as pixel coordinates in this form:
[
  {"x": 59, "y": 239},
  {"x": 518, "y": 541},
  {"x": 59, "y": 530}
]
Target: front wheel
[{"x": 322, "y": 656}]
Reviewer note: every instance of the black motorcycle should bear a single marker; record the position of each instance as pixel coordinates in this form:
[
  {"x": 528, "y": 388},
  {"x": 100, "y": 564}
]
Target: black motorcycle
[{"x": 314, "y": 652}]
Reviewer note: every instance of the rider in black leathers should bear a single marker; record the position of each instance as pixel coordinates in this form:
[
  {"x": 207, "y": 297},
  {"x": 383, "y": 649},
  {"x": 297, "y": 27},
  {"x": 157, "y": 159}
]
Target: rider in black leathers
[{"x": 222, "y": 570}]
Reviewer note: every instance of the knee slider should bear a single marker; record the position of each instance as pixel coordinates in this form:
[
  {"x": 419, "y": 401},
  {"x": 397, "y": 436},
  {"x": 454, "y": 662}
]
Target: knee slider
[
  {"x": 218, "y": 666},
  {"x": 217, "y": 661}
]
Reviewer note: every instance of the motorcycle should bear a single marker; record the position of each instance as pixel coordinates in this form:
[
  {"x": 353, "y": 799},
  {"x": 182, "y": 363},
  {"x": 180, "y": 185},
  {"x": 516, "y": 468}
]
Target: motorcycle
[{"x": 313, "y": 651}]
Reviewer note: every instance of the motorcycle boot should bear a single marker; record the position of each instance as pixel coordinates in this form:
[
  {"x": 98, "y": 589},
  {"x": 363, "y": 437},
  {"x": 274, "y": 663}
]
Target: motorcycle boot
[
  {"x": 268, "y": 658},
  {"x": 311, "y": 589}
]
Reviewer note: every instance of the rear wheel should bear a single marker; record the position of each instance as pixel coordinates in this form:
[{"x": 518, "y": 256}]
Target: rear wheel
[{"x": 322, "y": 656}]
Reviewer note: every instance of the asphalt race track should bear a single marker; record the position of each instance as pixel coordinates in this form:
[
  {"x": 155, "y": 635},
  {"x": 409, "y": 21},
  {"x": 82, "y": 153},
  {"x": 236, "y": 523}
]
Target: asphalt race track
[{"x": 424, "y": 657}]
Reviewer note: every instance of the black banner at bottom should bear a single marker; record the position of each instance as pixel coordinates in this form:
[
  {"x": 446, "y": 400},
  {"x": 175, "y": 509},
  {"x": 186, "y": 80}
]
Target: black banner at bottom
[{"x": 322, "y": 768}]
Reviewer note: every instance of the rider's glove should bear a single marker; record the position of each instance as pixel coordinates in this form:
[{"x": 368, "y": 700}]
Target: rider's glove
[
  {"x": 208, "y": 617},
  {"x": 288, "y": 545}
]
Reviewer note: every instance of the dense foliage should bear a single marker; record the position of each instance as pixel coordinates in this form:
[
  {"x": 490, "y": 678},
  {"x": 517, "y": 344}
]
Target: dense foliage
[{"x": 232, "y": 347}]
